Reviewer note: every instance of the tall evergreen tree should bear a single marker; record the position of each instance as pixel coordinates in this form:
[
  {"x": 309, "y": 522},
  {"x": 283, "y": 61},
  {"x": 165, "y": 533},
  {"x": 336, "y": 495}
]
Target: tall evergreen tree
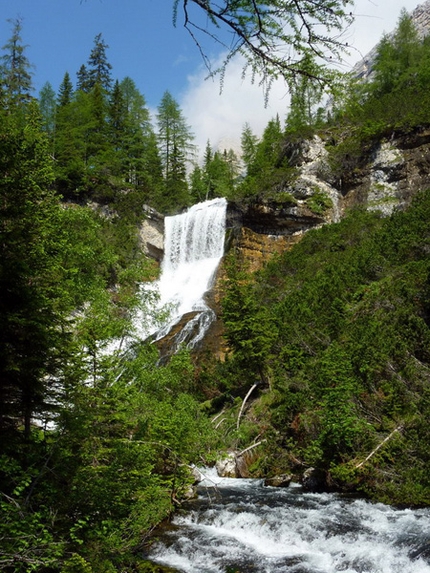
[
  {"x": 30, "y": 291},
  {"x": 175, "y": 141},
  {"x": 99, "y": 69},
  {"x": 48, "y": 109},
  {"x": 65, "y": 91},
  {"x": 83, "y": 83},
  {"x": 249, "y": 145},
  {"x": 15, "y": 68},
  {"x": 71, "y": 143}
]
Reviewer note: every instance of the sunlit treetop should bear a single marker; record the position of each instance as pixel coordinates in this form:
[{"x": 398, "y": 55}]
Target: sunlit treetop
[{"x": 276, "y": 38}]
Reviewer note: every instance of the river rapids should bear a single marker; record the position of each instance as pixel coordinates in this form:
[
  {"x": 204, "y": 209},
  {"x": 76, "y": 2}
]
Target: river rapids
[{"x": 240, "y": 526}]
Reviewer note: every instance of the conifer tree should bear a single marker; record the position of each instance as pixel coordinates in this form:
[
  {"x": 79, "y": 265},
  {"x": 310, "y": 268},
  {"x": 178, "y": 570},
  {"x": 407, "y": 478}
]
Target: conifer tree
[
  {"x": 83, "y": 79},
  {"x": 175, "y": 141},
  {"x": 249, "y": 145},
  {"x": 15, "y": 68},
  {"x": 65, "y": 91},
  {"x": 30, "y": 293},
  {"x": 99, "y": 69},
  {"x": 197, "y": 184},
  {"x": 71, "y": 142},
  {"x": 397, "y": 56},
  {"x": 48, "y": 108}
]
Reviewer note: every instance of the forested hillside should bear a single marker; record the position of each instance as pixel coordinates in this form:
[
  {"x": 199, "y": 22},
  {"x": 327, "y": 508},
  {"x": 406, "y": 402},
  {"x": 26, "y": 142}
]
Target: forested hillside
[
  {"x": 335, "y": 332},
  {"x": 97, "y": 438}
]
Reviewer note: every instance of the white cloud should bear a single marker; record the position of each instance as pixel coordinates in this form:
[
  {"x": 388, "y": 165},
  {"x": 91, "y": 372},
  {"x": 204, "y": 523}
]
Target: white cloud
[{"x": 220, "y": 117}]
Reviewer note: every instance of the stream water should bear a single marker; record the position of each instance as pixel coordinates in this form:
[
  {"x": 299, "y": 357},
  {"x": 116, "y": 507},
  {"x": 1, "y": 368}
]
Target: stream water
[{"x": 240, "y": 526}]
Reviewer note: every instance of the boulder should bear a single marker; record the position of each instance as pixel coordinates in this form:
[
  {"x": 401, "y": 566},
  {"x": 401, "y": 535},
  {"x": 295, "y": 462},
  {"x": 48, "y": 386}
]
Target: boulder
[
  {"x": 226, "y": 467},
  {"x": 282, "y": 480},
  {"x": 314, "y": 480}
]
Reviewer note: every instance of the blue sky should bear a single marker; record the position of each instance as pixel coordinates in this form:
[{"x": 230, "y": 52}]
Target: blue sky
[{"x": 144, "y": 44}]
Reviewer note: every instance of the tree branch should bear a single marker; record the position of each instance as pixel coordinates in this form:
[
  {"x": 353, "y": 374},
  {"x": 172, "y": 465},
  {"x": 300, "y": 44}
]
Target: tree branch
[{"x": 384, "y": 441}]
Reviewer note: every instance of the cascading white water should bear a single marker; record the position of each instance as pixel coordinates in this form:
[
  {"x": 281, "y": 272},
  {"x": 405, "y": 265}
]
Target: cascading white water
[
  {"x": 240, "y": 525},
  {"x": 193, "y": 247}
]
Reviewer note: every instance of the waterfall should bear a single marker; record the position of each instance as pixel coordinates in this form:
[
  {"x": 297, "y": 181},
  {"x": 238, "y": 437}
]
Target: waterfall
[{"x": 193, "y": 247}]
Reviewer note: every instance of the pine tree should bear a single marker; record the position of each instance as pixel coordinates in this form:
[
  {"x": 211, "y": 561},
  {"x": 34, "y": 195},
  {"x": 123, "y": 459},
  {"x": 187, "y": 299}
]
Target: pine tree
[
  {"x": 83, "y": 83},
  {"x": 220, "y": 174},
  {"x": 99, "y": 69},
  {"x": 30, "y": 290},
  {"x": 249, "y": 145},
  {"x": 15, "y": 69},
  {"x": 71, "y": 143},
  {"x": 197, "y": 185},
  {"x": 65, "y": 91},
  {"x": 175, "y": 141}
]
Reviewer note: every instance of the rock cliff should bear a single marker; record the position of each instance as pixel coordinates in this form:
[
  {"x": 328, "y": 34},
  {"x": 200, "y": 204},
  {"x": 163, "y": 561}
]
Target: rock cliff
[
  {"x": 391, "y": 173},
  {"x": 421, "y": 19}
]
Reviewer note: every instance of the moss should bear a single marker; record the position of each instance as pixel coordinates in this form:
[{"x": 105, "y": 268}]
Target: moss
[
  {"x": 285, "y": 197},
  {"x": 320, "y": 202}
]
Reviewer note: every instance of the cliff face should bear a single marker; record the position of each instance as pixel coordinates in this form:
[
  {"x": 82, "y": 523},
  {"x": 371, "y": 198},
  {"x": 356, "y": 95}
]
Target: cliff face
[
  {"x": 421, "y": 19},
  {"x": 389, "y": 177}
]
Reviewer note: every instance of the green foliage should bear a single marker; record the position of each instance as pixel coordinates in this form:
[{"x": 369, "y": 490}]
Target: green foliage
[
  {"x": 345, "y": 350},
  {"x": 268, "y": 170},
  {"x": 175, "y": 142},
  {"x": 15, "y": 74},
  {"x": 303, "y": 30},
  {"x": 319, "y": 202},
  {"x": 395, "y": 99},
  {"x": 249, "y": 330}
]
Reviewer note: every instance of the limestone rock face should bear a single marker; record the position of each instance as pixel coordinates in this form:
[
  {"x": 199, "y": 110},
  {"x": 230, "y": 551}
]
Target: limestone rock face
[
  {"x": 394, "y": 173},
  {"x": 420, "y": 17},
  {"x": 151, "y": 234},
  {"x": 308, "y": 200},
  {"x": 385, "y": 169}
]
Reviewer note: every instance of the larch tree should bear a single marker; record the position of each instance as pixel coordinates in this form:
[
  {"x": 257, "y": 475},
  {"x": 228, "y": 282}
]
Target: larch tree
[
  {"x": 276, "y": 38},
  {"x": 175, "y": 142}
]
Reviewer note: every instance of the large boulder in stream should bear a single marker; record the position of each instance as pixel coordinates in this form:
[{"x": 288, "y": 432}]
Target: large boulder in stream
[
  {"x": 226, "y": 466},
  {"x": 314, "y": 480},
  {"x": 282, "y": 480}
]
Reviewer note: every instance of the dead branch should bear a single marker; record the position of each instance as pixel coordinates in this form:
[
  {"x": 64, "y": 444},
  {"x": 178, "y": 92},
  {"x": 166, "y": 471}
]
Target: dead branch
[
  {"x": 250, "y": 448},
  {"x": 243, "y": 404},
  {"x": 384, "y": 441}
]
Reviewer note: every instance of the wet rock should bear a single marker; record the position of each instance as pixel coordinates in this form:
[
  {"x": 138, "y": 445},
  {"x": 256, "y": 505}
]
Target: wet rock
[
  {"x": 189, "y": 493},
  {"x": 282, "y": 480},
  {"x": 226, "y": 467},
  {"x": 197, "y": 475},
  {"x": 314, "y": 480},
  {"x": 151, "y": 234}
]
